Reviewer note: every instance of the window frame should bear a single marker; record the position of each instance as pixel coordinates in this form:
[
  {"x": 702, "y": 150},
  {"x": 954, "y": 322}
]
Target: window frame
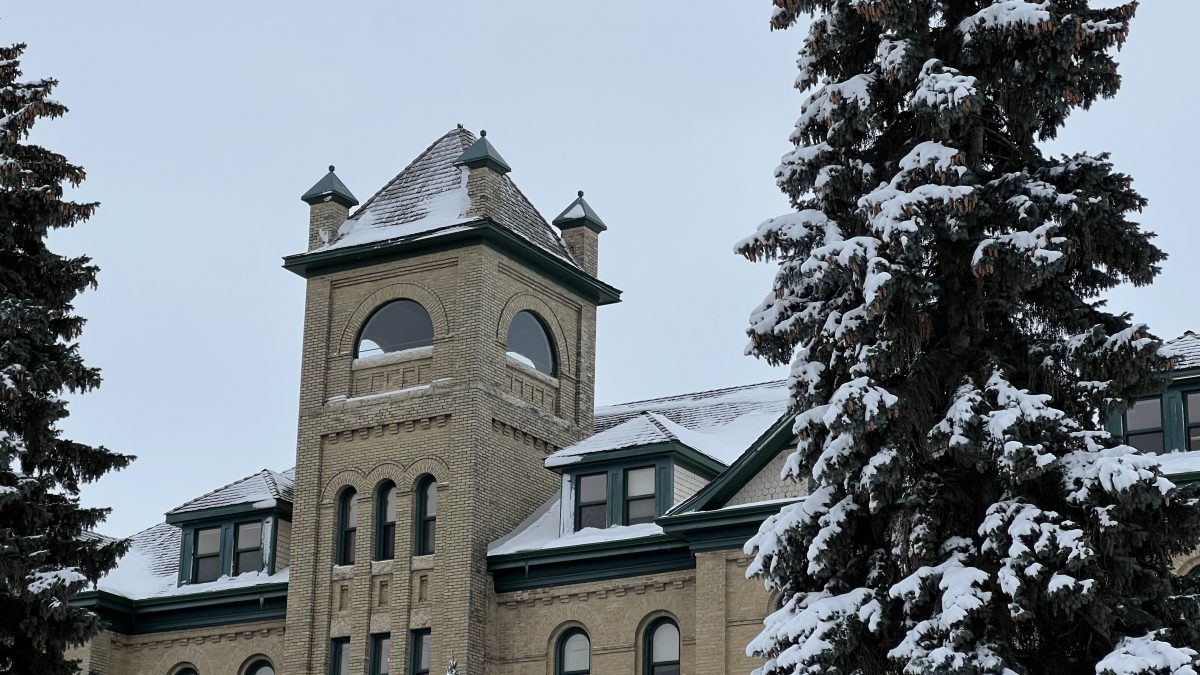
[
  {"x": 580, "y": 504},
  {"x": 626, "y": 499},
  {"x": 385, "y": 538},
  {"x": 648, "y": 662},
  {"x": 560, "y": 666},
  {"x": 358, "y": 337},
  {"x": 1161, "y": 429},
  {"x": 550, "y": 342},
  {"x": 257, "y": 664},
  {"x": 344, "y": 551},
  {"x": 1188, "y": 423},
  {"x": 196, "y": 556},
  {"x": 339, "y": 647},
  {"x": 414, "y": 660},
  {"x": 378, "y": 653},
  {"x": 237, "y": 552},
  {"x": 425, "y": 543}
]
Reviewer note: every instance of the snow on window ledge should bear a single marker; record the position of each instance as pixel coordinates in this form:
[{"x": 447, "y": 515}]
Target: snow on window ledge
[
  {"x": 404, "y": 356},
  {"x": 527, "y": 369}
]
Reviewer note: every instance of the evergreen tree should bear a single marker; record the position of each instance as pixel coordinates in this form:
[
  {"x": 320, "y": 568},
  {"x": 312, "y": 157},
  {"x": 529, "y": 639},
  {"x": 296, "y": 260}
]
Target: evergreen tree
[
  {"x": 951, "y": 361},
  {"x": 47, "y": 553}
]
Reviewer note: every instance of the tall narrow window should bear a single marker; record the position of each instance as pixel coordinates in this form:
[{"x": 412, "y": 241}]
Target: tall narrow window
[
  {"x": 247, "y": 556},
  {"x": 395, "y": 327},
  {"x": 591, "y": 501},
  {"x": 574, "y": 653},
  {"x": 206, "y": 555},
  {"x": 421, "y": 641},
  {"x": 639, "y": 495},
  {"x": 381, "y": 649},
  {"x": 347, "y": 527},
  {"x": 662, "y": 648},
  {"x": 339, "y": 656},
  {"x": 385, "y": 519},
  {"x": 1193, "y": 421},
  {"x": 426, "y": 516},
  {"x": 529, "y": 342},
  {"x": 1143, "y": 425}
]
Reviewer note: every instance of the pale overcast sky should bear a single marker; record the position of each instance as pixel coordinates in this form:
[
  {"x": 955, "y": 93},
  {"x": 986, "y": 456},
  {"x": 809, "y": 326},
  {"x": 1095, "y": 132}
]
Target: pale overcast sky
[{"x": 200, "y": 124}]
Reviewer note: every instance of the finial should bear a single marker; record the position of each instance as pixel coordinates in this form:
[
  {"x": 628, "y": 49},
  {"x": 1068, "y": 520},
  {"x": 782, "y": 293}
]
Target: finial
[
  {"x": 330, "y": 168},
  {"x": 482, "y": 133},
  {"x": 460, "y": 125},
  {"x": 581, "y": 193}
]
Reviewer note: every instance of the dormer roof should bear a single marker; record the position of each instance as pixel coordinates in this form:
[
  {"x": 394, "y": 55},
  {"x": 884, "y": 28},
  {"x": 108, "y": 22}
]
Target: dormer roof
[{"x": 265, "y": 489}]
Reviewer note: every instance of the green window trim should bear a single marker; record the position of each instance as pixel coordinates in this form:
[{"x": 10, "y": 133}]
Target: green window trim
[
  {"x": 420, "y": 647},
  {"x": 654, "y": 663},
  {"x": 381, "y": 647},
  {"x": 631, "y": 502},
  {"x": 339, "y": 656},
  {"x": 425, "y": 516},
  {"x": 1149, "y": 437},
  {"x": 347, "y": 527},
  {"x": 1191, "y": 422},
  {"x": 239, "y": 550},
  {"x": 206, "y": 557},
  {"x": 581, "y": 504},
  {"x": 560, "y": 653},
  {"x": 263, "y": 553},
  {"x": 616, "y": 498}
]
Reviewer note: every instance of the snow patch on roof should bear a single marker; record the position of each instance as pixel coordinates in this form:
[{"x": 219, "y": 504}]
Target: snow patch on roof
[
  {"x": 1176, "y": 463},
  {"x": 1185, "y": 350},
  {"x": 262, "y": 490},
  {"x": 543, "y": 533}
]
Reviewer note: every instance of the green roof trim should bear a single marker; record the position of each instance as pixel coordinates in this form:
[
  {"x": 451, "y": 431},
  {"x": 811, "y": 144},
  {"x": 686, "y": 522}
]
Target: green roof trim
[
  {"x": 180, "y": 612},
  {"x": 329, "y": 188},
  {"x": 684, "y": 455},
  {"x": 281, "y": 506},
  {"x": 579, "y": 214},
  {"x": 481, "y": 231},
  {"x": 725, "y": 528},
  {"x": 598, "y": 561},
  {"x": 717, "y": 493},
  {"x": 483, "y": 153}
]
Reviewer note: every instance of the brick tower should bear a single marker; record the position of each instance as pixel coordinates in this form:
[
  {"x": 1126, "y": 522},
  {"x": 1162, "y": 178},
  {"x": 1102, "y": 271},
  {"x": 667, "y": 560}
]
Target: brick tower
[{"x": 449, "y": 345}]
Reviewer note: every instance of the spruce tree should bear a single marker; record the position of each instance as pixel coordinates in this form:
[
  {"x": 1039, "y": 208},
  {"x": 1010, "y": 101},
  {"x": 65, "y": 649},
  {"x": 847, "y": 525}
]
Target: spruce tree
[
  {"x": 952, "y": 362},
  {"x": 47, "y": 552}
]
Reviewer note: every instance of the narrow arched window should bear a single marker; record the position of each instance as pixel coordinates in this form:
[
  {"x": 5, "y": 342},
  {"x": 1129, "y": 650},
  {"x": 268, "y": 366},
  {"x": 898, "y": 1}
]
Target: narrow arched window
[
  {"x": 185, "y": 671},
  {"x": 385, "y": 519},
  {"x": 662, "y": 648},
  {"x": 574, "y": 653},
  {"x": 529, "y": 342},
  {"x": 395, "y": 327},
  {"x": 426, "y": 516},
  {"x": 261, "y": 667},
  {"x": 347, "y": 527}
]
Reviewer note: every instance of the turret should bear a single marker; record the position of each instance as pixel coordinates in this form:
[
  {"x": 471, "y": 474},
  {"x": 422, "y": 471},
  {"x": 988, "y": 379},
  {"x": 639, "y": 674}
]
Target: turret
[
  {"x": 581, "y": 228},
  {"x": 329, "y": 201}
]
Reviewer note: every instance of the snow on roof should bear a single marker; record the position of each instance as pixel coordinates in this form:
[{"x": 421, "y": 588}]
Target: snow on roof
[
  {"x": 430, "y": 195},
  {"x": 541, "y": 532},
  {"x": 721, "y": 423},
  {"x": 264, "y": 488},
  {"x": 1176, "y": 463},
  {"x": 1186, "y": 350}
]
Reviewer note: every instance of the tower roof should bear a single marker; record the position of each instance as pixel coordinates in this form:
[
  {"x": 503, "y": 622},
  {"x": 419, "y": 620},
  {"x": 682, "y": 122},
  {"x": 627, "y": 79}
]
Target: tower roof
[
  {"x": 579, "y": 213},
  {"x": 329, "y": 188},
  {"x": 483, "y": 153},
  {"x": 430, "y": 197}
]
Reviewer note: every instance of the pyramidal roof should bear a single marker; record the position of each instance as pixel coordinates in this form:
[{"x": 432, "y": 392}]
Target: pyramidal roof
[{"x": 430, "y": 197}]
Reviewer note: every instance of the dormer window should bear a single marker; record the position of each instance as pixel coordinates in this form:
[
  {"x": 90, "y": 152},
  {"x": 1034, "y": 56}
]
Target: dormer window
[
  {"x": 529, "y": 343},
  {"x": 591, "y": 506},
  {"x": 395, "y": 327},
  {"x": 1144, "y": 424},
  {"x": 639, "y": 495},
  {"x": 206, "y": 556},
  {"x": 248, "y": 548},
  {"x": 1192, "y": 408}
]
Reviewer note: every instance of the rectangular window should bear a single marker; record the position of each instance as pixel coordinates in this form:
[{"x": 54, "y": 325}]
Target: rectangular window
[
  {"x": 591, "y": 501},
  {"x": 639, "y": 495},
  {"x": 420, "y": 652},
  {"x": 1193, "y": 421},
  {"x": 247, "y": 556},
  {"x": 1143, "y": 425},
  {"x": 339, "y": 656},
  {"x": 381, "y": 649},
  {"x": 206, "y": 555}
]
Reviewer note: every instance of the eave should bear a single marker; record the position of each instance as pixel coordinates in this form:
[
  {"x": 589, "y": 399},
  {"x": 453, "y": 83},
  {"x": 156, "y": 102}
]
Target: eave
[
  {"x": 482, "y": 231},
  {"x": 279, "y": 506},
  {"x": 264, "y": 602},
  {"x": 597, "y": 561},
  {"x": 683, "y": 454}
]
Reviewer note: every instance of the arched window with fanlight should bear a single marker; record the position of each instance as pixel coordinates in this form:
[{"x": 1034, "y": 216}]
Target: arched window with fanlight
[
  {"x": 398, "y": 326},
  {"x": 260, "y": 667},
  {"x": 574, "y": 653},
  {"x": 529, "y": 343},
  {"x": 662, "y": 648},
  {"x": 426, "y": 512},
  {"x": 347, "y": 526},
  {"x": 385, "y": 521}
]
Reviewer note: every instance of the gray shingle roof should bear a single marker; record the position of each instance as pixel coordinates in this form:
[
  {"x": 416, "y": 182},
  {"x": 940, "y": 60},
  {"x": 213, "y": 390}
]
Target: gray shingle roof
[
  {"x": 1187, "y": 350},
  {"x": 262, "y": 486},
  {"x": 430, "y": 194},
  {"x": 700, "y": 408}
]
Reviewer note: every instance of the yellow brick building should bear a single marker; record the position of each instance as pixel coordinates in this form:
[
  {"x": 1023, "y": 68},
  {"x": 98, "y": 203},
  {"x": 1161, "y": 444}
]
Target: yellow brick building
[{"x": 457, "y": 497}]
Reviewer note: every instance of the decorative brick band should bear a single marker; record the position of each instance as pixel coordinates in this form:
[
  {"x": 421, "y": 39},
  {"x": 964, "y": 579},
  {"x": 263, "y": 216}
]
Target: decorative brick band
[
  {"x": 506, "y": 429},
  {"x": 376, "y": 430}
]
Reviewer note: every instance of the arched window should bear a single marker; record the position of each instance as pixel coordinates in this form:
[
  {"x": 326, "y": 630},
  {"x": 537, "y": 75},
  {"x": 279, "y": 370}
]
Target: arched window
[
  {"x": 261, "y": 667},
  {"x": 662, "y": 648},
  {"x": 426, "y": 516},
  {"x": 186, "y": 670},
  {"x": 385, "y": 522},
  {"x": 529, "y": 342},
  {"x": 347, "y": 526},
  {"x": 574, "y": 653},
  {"x": 395, "y": 327}
]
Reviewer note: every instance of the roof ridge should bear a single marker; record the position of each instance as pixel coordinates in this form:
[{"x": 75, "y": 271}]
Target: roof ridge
[
  {"x": 393, "y": 179},
  {"x": 674, "y": 397},
  {"x": 653, "y": 416},
  {"x": 216, "y": 490}
]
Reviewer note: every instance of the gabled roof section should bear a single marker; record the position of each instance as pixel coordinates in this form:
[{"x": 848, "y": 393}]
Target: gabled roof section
[
  {"x": 430, "y": 197},
  {"x": 264, "y": 489},
  {"x": 1186, "y": 348},
  {"x": 720, "y": 423}
]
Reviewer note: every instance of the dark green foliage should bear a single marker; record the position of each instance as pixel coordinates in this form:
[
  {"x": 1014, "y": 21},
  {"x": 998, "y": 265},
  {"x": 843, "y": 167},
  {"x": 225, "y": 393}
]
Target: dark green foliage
[{"x": 47, "y": 552}]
